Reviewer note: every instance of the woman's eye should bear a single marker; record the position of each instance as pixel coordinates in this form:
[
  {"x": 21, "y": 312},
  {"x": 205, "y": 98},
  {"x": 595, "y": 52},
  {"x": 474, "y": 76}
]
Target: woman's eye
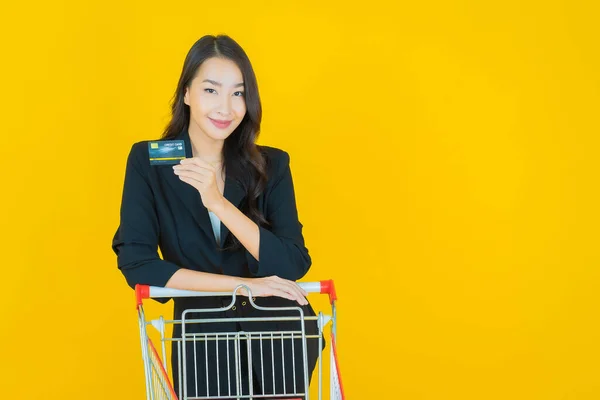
[
  {"x": 239, "y": 94},
  {"x": 208, "y": 90}
]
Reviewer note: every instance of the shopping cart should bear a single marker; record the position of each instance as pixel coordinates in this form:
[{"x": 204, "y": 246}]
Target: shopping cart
[{"x": 239, "y": 347}]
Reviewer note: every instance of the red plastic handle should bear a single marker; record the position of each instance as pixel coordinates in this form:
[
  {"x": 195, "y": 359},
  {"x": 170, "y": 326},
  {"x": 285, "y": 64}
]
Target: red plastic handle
[
  {"x": 141, "y": 292},
  {"x": 329, "y": 288}
]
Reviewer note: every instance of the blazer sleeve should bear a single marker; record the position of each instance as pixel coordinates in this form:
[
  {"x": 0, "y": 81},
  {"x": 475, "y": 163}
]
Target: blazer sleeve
[
  {"x": 281, "y": 250},
  {"x": 136, "y": 241}
]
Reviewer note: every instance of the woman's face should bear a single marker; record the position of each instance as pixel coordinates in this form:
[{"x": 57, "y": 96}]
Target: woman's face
[{"x": 216, "y": 99}]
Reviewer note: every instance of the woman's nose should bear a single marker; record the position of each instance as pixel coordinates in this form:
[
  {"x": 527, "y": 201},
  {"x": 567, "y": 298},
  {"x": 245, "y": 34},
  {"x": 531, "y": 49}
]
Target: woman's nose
[{"x": 224, "y": 107}]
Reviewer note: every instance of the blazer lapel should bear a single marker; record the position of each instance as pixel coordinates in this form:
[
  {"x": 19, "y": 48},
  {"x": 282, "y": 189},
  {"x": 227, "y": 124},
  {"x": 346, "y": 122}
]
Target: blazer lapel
[
  {"x": 234, "y": 193},
  {"x": 189, "y": 196}
]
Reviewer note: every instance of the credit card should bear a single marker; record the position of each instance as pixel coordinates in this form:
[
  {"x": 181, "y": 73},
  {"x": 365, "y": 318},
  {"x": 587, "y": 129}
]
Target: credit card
[{"x": 166, "y": 152}]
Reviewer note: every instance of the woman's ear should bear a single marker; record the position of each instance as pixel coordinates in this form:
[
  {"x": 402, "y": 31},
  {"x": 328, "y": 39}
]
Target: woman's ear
[{"x": 186, "y": 96}]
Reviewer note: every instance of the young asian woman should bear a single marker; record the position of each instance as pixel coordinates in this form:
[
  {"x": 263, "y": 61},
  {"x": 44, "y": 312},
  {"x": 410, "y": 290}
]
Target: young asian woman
[{"x": 225, "y": 215}]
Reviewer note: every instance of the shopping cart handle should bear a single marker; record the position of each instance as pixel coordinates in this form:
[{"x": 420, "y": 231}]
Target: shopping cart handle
[
  {"x": 149, "y": 292},
  {"x": 323, "y": 287}
]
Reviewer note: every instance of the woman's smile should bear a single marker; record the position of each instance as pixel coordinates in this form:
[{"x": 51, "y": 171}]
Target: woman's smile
[{"x": 221, "y": 124}]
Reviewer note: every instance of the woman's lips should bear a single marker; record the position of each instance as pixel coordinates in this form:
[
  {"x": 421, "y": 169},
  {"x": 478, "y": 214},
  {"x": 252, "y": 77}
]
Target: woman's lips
[{"x": 220, "y": 124}]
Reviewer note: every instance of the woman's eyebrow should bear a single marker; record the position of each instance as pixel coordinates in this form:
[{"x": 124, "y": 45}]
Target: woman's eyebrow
[{"x": 219, "y": 84}]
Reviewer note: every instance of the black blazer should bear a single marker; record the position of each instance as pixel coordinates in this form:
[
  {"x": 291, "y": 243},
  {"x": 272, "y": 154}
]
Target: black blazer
[{"x": 160, "y": 210}]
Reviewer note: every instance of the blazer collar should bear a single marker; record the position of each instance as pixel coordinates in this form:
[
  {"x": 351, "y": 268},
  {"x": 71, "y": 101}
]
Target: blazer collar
[{"x": 189, "y": 196}]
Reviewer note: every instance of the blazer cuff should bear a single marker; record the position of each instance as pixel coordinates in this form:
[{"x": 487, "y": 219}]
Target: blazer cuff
[
  {"x": 142, "y": 266},
  {"x": 275, "y": 258}
]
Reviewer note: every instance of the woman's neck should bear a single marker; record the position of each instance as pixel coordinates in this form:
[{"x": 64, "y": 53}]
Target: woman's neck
[{"x": 206, "y": 148}]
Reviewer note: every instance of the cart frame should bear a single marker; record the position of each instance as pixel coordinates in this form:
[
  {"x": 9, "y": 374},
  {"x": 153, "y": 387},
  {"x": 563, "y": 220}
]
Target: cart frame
[{"x": 158, "y": 384}]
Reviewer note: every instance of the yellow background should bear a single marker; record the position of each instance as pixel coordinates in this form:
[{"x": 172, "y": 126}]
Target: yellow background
[{"x": 445, "y": 161}]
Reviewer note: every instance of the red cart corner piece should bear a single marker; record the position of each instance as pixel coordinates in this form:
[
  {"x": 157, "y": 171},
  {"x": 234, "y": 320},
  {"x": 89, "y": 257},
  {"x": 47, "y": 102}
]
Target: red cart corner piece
[
  {"x": 141, "y": 292},
  {"x": 329, "y": 288}
]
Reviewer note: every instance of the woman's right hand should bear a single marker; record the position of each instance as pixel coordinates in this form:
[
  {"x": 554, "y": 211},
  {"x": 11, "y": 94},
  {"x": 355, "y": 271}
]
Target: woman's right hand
[{"x": 276, "y": 286}]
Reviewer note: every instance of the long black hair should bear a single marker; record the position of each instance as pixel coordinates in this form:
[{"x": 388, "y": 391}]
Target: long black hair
[{"x": 243, "y": 160}]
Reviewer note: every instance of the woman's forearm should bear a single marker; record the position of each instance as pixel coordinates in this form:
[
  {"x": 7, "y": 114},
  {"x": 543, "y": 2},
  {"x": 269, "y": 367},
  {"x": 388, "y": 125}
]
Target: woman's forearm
[
  {"x": 187, "y": 279},
  {"x": 244, "y": 229}
]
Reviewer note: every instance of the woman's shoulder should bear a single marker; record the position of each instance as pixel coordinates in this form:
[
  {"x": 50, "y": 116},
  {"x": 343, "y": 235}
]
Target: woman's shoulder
[
  {"x": 138, "y": 151},
  {"x": 140, "y": 148},
  {"x": 277, "y": 159},
  {"x": 274, "y": 153},
  {"x": 138, "y": 156}
]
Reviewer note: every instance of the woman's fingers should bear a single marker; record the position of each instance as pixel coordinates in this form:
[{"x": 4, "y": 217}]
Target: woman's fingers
[
  {"x": 275, "y": 286},
  {"x": 297, "y": 289},
  {"x": 198, "y": 162},
  {"x": 298, "y": 293},
  {"x": 201, "y": 173},
  {"x": 283, "y": 293},
  {"x": 196, "y": 165},
  {"x": 292, "y": 289},
  {"x": 195, "y": 183},
  {"x": 188, "y": 174},
  {"x": 201, "y": 181},
  {"x": 304, "y": 292}
]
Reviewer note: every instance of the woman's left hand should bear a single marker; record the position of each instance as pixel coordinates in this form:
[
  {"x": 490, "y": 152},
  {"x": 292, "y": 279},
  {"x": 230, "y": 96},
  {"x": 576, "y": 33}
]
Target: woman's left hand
[{"x": 203, "y": 177}]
